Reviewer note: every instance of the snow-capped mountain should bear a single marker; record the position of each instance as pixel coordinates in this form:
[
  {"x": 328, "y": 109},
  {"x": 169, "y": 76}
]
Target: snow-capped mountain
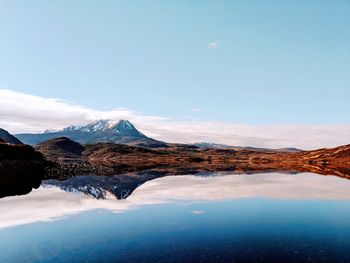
[
  {"x": 123, "y": 132},
  {"x": 69, "y": 128},
  {"x": 122, "y": 127},
  {"x": 99, "y": 125}
]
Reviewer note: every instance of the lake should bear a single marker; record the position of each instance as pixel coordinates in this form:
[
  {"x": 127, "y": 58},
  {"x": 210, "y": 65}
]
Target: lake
[{"x": 220, "y": 217}]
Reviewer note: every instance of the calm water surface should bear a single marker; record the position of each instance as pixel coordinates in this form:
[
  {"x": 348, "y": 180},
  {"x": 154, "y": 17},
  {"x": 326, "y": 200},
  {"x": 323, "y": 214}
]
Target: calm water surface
[{"x": 209, "y": 218}]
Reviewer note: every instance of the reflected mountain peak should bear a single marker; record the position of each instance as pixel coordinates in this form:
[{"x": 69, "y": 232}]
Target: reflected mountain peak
[{"x": 99, "y": 187}]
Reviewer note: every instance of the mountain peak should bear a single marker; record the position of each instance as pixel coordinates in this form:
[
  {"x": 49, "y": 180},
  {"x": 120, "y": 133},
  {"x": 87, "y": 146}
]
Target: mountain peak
[
  {"x": 125, "y": 127},
  {"x": 99, "y": 125},
  {"x": 72, "y": 128},
  {"x": 121, "y": 127},
  {"x": 124, "y": 122}
]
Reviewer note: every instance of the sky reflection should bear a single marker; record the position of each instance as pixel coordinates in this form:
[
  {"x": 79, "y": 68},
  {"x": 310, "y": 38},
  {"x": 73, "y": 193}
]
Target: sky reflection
[{"x": 50, "y": 203}]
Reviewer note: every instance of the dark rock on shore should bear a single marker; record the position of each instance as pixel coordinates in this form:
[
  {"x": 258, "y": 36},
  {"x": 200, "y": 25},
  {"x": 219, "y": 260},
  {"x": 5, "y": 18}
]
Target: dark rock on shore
[
  {"x": 21, "y": 169},
  {"x": 18, "y": 152}
]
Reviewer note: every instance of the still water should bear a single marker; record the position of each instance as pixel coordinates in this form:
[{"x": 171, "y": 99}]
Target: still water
[{"x": 222, "y": 217}]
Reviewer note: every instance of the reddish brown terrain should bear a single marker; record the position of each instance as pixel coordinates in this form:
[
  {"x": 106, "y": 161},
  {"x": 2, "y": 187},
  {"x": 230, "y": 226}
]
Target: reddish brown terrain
[
  {"x": 110, "y": 158},
  {"x": 334, "y": 161},
  {"x": 23, "y": 167}
]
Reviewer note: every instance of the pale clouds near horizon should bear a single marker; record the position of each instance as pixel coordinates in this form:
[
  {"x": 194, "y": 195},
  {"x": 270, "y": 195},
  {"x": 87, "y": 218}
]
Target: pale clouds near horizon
[{"x": 20, "y": 112}]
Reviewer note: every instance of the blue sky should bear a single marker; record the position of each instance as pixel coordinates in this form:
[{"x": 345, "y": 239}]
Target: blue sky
[{"x": 275, "y": 62}]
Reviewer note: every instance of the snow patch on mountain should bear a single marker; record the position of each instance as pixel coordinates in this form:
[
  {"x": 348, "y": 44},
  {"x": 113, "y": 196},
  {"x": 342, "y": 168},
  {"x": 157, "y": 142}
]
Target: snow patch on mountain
[
  {"x": 121, "y": 127},
  {"x": 99, "y": 125},
  {"x": 72, "y": 128}
]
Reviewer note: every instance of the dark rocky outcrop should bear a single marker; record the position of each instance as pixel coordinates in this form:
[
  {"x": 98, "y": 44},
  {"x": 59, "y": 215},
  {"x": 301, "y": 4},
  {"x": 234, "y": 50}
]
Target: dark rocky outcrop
[
  {"x": 21, "y": 169},
  {"x": 5, "y": 136}
]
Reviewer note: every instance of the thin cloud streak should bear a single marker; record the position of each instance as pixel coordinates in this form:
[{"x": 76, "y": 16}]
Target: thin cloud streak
[
  {"x": 213, "y": 45},
  {"x": 20, "y": 112}
]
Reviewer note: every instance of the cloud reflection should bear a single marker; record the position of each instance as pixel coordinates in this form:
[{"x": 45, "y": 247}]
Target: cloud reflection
[{"x": 50, "y": 203}]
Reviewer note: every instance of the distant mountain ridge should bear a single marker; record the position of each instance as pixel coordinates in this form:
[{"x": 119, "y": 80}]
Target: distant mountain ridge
[
  {"x": 224, "y": 146},
  {"x": 121, "y": 132},
  {"x": 104, "y": 130}
]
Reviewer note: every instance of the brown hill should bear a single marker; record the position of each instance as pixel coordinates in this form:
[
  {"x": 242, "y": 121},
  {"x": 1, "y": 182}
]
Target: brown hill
[
  {"x": 339, "y": 154},
  {"x": 60, "y": 149}
]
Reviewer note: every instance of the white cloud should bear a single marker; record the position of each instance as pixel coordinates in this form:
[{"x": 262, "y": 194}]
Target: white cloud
[
  {"x": 20, "y": 112},
  {"x": 213, "y": 45}
]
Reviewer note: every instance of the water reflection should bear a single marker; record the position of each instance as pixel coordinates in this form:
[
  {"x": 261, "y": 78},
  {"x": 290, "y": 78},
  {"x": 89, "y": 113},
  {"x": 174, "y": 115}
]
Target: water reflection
[
  {"x": 21, "y": 188},
  {"x": 99, "y": 187},
  {"x": 55, "y": 200}
]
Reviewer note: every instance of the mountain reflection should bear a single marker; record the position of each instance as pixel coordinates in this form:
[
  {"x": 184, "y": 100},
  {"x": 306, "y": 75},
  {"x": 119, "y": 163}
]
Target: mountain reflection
[
  {"x": 18, "y": 188},
  {"x": 99, "y": 187},
  {"x": 54, "y": 200},
  {"x": 280, "y": 185}
]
